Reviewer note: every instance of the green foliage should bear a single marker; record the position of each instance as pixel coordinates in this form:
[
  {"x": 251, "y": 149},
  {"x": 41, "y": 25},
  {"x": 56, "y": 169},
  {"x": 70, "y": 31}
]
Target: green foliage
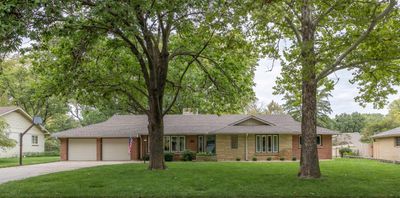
[
  {"x": 269, "y": 158},
  {"x": 188, "y": 155},
  {"x": 169, "y": 157},
  {"x": 42, "y": 154},
  {"x": 204, "y": 154},
  {"x": 282, "y": 158},
  {"x": 343, "y": 151},
  {"x": 294, "y": 158},
  {"x": 376, "y": 124},
  {"x": 254, "y": 158},
  {"x": 238, "y": 159},
  {"x": 348, "y": 123},
  {"x": 273, "y": 108},
  {"x": 5, "y": 142}
]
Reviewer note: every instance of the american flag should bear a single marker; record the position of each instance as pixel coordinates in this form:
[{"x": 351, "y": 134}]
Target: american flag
[{"x": 130, "y": 145}]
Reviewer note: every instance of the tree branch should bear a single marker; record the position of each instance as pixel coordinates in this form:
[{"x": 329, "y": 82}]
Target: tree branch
[{"x": 328, "y": 70}]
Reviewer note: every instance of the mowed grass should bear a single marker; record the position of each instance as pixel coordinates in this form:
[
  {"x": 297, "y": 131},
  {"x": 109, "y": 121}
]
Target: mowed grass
[
  {"x": 7, "y": 162},
  {"x": 343, "y": 177}
]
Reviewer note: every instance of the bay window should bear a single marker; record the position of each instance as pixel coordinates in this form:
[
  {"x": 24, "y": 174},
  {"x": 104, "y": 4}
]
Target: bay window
[{"x": 267, "y": 143}]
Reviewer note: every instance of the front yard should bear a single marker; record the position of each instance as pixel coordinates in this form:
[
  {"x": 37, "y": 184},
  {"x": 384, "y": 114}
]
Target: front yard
[
  {"x": 342, "y": 177},
  {"x": 7, "y": 162}
]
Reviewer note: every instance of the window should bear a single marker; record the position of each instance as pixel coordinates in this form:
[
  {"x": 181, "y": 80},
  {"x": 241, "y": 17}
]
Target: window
[
  {"x": 397, "y": 142},
  {"x": 267, "y": 143},
  {"x": 174, "y": 143},
  {"x": 319, "y": 140},
  {"x": 167, "y": 143},
  {"x": 200, "y": 143},
  {"x": 35, "y": 139},
  {"x": 234, "y": 141},
  {"x": 210, "y": 144}
]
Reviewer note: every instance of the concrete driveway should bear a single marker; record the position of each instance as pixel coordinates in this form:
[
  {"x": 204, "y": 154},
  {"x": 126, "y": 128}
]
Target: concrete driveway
[{"x": 22, "y": 172}]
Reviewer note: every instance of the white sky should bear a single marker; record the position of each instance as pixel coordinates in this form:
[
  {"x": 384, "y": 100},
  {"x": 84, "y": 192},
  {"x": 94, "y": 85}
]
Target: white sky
[{"x": 342, "y": 100}]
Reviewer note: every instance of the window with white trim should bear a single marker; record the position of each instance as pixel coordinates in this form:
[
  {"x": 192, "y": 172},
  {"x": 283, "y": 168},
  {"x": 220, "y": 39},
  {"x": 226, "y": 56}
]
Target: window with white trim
[
  {"x": 319, "y": 140},
  {"x": 174, "y": 143},
  {"x": 267, "y": 143},
  {"x": 397, "y": 142},
  {"x": 35, "y": 140},
  {"x": 200, "y": 143}
]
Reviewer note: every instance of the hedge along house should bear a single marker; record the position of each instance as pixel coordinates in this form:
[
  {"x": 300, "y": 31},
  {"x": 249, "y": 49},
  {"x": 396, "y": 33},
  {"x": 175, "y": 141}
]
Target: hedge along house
[
  {"x": 227, "y": 136},
  {"x": 386, "y": 145}
]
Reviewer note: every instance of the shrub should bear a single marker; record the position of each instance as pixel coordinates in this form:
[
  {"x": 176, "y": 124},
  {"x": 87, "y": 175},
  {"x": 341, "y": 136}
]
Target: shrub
[
  {"x": 344, "y": 150},
  {"x": 204, "y": 154},
  {"x": 146, "y": 157},
  {"x": 42, "y": 154},
  {"x": 238, "y": 159},
  {"x": 169, "y": 157},
  {"x": 294, "y": 158},
  {"x": 282, "y": 159},
  {"x": 254, "y": 159},
  {"x": 269, "y": 158},
  {"x": 188, "y": 155}
]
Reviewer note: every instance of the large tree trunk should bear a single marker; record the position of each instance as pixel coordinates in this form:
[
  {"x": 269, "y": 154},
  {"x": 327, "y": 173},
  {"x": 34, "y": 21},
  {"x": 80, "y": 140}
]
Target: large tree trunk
[
  {"x": 156, "y": 136},
  {"x": 309, "y": 164}
]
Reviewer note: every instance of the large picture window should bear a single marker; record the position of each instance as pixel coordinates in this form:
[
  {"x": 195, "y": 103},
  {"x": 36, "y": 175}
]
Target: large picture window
[
  {"x": 174, "y": 143},
  {"x": 267, "y": 143}
]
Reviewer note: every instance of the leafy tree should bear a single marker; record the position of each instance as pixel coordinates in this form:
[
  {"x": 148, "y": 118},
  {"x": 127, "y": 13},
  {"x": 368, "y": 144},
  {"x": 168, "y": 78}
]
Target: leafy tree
[
  {"x": 348, "y": 123},
  {"x": 273, "y": 108},
  {"x": 376, "y": 124},
  {"x": 141, "y": 55},
  {"x": 4, "y": 140},
  {"x": 325, "y": 37}
]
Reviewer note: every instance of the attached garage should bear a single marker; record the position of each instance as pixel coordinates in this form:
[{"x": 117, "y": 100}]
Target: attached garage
[
  {"x": 82, "y": 149},
  {"x": 115, "y": 149}
]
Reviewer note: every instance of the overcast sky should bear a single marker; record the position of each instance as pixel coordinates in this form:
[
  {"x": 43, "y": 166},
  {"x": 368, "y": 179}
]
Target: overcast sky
[{"x": 343, "y": 95}]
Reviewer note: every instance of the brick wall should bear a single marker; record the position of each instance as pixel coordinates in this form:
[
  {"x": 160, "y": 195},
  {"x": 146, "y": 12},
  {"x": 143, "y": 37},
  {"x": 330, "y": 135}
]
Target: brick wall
[
  {"x": 324, "y": 151},
  {"x": 99, "y": 150},
  {"x": 63, "y": 149},
  {"x": 135, "y": 149}
]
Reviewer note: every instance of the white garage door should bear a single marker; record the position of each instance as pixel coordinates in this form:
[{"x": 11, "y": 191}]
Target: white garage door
[
  {"x": 82, "y": 149},
  {"x": 115, "y": 149}
]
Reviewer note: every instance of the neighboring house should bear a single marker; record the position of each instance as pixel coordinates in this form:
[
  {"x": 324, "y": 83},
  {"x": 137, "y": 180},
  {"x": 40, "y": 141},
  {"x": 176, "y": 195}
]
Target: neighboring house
[
  {"x": 352, "y": 141},
  {"x": 227, "y": 136},
  {"x": 18, "y": 121},
  {"x": 386, "y": 145}
]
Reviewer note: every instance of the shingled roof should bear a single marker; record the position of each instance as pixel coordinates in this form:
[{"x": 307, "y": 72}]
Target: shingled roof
[
  {"x": 134, "y": 125},
  {"x": 391, "y": 133}
]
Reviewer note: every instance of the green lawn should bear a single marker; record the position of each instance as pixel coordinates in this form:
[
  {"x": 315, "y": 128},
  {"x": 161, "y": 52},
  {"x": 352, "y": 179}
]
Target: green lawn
[
  {"x": 343, "y": 177},
  {"x": 7, "y": 162}
]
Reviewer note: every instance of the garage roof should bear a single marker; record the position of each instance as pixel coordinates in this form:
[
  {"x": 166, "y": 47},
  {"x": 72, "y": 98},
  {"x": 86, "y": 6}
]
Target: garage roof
[
  {"x": 391, "y": 133},
  {"x": 134, "y": 125}
]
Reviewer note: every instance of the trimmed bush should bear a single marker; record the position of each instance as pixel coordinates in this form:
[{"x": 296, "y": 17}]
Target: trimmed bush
[
  {"x": 254, "y": 159},
  {"x": 344, "y": 150},
  {"x": 294, "y": 158},
  {"x": 188, "y": 155},
  {"x": 238, "y": 159},
  {"x": 146, "y": 157},
  {"x": 169, "y": 157},
  {"x": 282, "y": 159},
  {"x": 42, "y": 154},
  {"x": 269, "y": 158}
]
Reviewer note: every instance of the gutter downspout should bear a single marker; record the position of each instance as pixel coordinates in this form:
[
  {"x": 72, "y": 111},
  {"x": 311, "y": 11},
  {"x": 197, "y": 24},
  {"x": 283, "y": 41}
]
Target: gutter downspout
[{"x": 246, "y": 156}]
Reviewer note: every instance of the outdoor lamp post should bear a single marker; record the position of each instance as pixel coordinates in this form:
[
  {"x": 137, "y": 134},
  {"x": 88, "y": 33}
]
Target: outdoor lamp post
[{"x": 36, "y": 121}]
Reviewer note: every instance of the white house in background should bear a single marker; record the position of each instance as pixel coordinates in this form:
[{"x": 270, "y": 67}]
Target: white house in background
[
  {"x": 352, "y": 141},
  {"x": 18, "y": 121}
]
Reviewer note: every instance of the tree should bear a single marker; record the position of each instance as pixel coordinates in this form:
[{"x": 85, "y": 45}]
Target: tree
[
  {"x": 4, "y": 140},
  {"x": 273, "y": 108},
  {"x": 325, "y": 37},
  {"x": 137, "y": 54},
  {"x": 348, "y": 123},
  {"x": 376, "y": 124}
]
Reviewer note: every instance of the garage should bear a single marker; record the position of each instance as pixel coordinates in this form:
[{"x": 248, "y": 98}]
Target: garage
[
  {"x": 82, "y": 149},
  {"x": 115, "y": 149}
]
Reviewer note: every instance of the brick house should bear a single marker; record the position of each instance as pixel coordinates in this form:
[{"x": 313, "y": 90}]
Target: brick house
[{"x": 227, "y": 136}]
